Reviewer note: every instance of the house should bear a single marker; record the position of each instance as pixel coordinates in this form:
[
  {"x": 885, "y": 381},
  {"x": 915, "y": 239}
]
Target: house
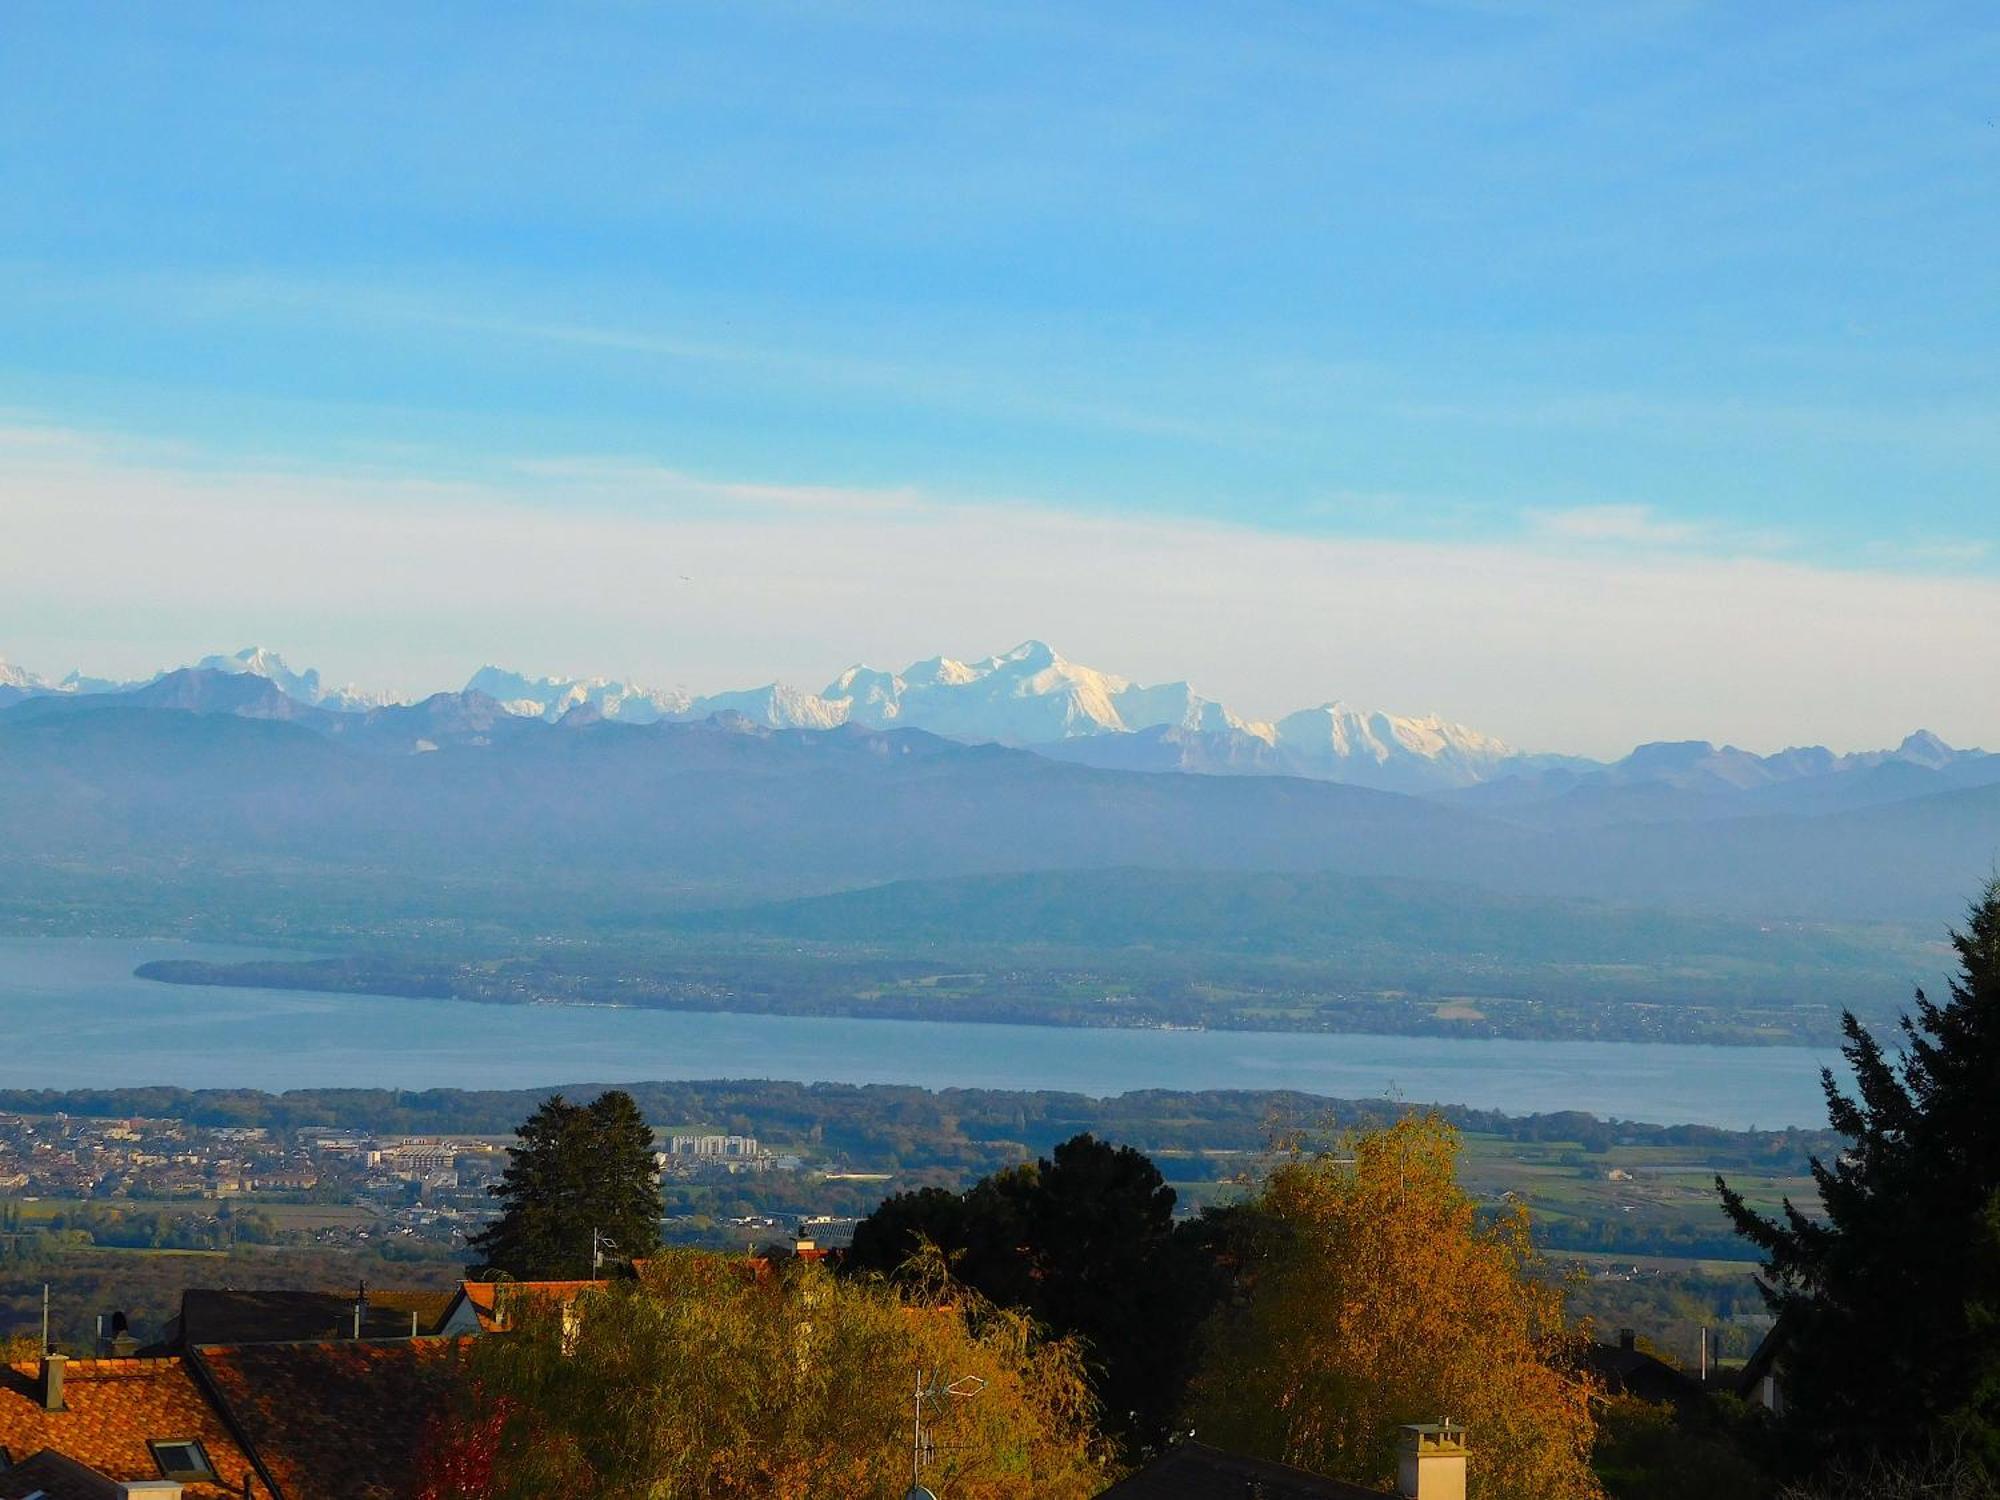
[
  {"x": 1625, "y": 1369},
  {"x": 49, "y": 1475},
  {"x": 1762, "y": 1381},
  {"x": 229, "y": 1316},
  {"x": 345, "y": 1420},
  {"x": 1432, "y": 1462},
  {"x": 128, "y": 1420},
  {"x": 482, "y": 1306}
]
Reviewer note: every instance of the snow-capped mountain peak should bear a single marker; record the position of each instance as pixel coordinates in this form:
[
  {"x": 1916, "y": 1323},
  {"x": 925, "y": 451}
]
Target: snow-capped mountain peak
[
  {"x": 19, "y": 677},
  {"x": 552, "y": 697},
  {"x": 304, "y": 687},
  {"x": 1428, "y": 749}
]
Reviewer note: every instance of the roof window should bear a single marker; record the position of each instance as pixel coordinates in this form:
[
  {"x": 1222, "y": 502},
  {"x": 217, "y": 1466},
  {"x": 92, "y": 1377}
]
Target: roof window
[{"x": 183, "y": 1459}]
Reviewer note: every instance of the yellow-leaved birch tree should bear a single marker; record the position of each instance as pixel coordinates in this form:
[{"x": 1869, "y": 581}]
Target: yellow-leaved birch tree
[{"x": 1376, "y": 1297}]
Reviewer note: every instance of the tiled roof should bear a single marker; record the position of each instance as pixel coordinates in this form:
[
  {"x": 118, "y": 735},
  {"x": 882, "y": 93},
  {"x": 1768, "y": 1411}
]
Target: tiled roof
[
  {"x": 113, "y": 1407},
  {"x": 1634, "y": 1372},
  {"x": 1195, "y": 1471},
  {"x": 337, "y": 1421},
  {"x": 229, "y": 1316},
  {"x": 489, "y": 1298},
  {"x": 50, "y": 1474}
]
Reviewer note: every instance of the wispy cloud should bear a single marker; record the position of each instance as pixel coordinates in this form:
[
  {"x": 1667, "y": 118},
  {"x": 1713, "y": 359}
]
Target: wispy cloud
[{"x": 1637, "y": 525}]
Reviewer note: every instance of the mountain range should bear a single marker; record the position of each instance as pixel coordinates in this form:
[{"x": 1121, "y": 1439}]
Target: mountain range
[
  {"x": 203, "y": 770},
  {"x": 1034, "y": 698}
]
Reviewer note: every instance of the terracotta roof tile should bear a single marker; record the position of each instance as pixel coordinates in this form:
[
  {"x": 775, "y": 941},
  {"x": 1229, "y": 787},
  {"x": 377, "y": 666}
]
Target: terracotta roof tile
[
  {"x": 489, "y": 1298},
  {"x": 112, "y": 1408},
  {"x": 336, "y": 1421}
]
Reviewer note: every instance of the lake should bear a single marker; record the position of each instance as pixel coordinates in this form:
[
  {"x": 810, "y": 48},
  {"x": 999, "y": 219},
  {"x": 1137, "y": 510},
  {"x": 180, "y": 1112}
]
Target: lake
[{"x": 73, "y": 1016}]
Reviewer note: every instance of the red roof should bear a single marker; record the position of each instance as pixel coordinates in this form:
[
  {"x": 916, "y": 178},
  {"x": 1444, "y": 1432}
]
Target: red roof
[
  {"x": 489, "y": 1299},
  {"x": 113, "y": 1407},
  {"x": 336, "y": 1421}
]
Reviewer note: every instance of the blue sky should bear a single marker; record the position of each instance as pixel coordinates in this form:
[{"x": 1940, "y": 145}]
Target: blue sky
[{"x": 1657, "y": 284}]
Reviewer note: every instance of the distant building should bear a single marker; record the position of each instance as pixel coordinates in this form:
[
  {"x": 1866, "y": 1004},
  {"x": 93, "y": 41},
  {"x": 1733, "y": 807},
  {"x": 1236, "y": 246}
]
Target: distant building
[
  {"x": 725, "y": 1147},
  {"x": 1627, "y": 1370}
]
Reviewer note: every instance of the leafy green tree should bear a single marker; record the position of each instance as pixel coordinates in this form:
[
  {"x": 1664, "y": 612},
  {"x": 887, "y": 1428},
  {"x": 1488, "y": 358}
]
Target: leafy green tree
[
  {"x": 1649, "y": 1451},
  {"x": 983, "y": 1232},
  {"x": 1083, "y": 1240},
  {"x": 1889, "y": 1300},
  {"x": 581, "y": 1175}
]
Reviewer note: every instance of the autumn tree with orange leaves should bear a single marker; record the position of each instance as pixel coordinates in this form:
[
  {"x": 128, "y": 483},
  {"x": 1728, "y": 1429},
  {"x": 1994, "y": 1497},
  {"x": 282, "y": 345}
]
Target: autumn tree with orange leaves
[
  {"x": 711, "y": 1377},
  {"x": 1376, "y": 1297}
]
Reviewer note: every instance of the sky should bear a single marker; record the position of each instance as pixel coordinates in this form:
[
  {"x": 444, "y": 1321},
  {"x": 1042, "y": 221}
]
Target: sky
[{"x": 1586, "y": 373}]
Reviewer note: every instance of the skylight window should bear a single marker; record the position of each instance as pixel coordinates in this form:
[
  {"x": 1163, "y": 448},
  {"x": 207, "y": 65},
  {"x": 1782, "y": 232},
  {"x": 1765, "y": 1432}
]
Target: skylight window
[{"x": 183, "y": 1459}]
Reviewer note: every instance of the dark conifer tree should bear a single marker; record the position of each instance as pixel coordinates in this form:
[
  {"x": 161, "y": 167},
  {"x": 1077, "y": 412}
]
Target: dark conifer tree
[
  {"x": 1891, "y": 1301},
  {"x": 579, "y": 1173},
  {"x": 622, "y": 1196}
]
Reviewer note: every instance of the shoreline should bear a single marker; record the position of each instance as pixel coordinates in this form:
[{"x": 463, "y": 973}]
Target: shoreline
[{"x": 323, "y": 976}]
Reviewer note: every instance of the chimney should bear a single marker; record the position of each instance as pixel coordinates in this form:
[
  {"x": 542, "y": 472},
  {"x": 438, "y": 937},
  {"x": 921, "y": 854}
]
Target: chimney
[
  {"x": 1627, "y": 1339},
  {"x": 1431, "y": 1462},
  {"x": 52, "y": 1382}
]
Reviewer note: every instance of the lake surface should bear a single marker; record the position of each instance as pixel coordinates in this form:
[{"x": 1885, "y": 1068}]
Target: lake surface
[{"x": 72, "y": 1016}]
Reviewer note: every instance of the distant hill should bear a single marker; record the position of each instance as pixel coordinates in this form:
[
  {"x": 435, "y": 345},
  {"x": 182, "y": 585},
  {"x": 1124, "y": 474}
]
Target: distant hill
[
  {"x": 1310, "y": 916},
  {"x": 217, "y": 770}
]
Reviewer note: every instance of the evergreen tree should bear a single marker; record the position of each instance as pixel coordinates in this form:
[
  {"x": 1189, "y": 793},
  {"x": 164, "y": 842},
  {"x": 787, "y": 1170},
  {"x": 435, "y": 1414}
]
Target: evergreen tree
[
  {"x": 1891, "y": 1300},
  {"x": 579, "y": 1172},
  {"x": 622, "y": 1200}
]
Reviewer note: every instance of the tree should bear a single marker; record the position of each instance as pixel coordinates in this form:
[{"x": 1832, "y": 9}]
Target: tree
[
  {"x": 711, "y": 1377},
  {"x": 580, "y": 1176},
  {"x": 1889, "y": 1301},
  {"x": 983, "y": 1232},
  {"x": 1084, "y": 1241},
  {"x": 1650, "y": 1451},
  {"x": 1376, "y": 1298},
  {"x": 1100, "y": 1226}
]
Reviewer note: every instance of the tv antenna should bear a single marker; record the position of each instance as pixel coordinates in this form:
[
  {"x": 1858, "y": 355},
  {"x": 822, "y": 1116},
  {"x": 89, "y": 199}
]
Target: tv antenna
[
  {"x": 599, "y": 1243},
  {"x": 923, "y": 1447}
]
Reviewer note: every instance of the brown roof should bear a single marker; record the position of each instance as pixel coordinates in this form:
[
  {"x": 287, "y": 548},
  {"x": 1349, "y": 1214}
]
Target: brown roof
[
  {"x": 229, "y": 1315},
  {"x": 1195, "y": 1471},
  {"x": 112, "y": 1408},
  {"x": 339, "y": 1421},
  {"x": 1627, "y": 1370}
]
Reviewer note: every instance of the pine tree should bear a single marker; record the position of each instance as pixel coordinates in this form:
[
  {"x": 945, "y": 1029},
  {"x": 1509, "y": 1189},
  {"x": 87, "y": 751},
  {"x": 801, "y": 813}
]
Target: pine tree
[
  {"x": 622, "y": 1197},
  {"x": 1891, "y": 1300},
  {"x": 579, "y": 1172}
]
